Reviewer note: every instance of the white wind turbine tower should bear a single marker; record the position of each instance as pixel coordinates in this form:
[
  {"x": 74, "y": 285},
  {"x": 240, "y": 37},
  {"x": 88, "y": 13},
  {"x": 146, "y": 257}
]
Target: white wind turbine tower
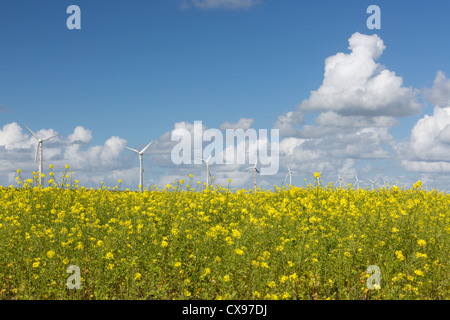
[
  {"x": 340, "y": 180},
  {"x": 208, "y": 173},
  {"x": 290, "y": 172},
  {"x": 255, "y": 168},
  {"x": 372, "y": 182},
  {"x": 39, "y": 150},
  {"x": 357, "y": 181},
  {"x": 141, "y": 167}
]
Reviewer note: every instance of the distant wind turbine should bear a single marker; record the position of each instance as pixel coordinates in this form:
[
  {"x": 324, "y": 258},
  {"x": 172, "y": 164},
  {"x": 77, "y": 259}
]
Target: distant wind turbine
[
  {"x": 39, "y": 150},
  {"x": 318, "y": 178},
  {"x": 372, "y": 182},
  {"x": 340, "y": 180},
  {"x": 208, "y": 173},
  {"x": 141, "y": 167},
  {"x": 255, "y": 168},
  {"x": 290, "y": 172},
  {"x": 357, "y": 181}
]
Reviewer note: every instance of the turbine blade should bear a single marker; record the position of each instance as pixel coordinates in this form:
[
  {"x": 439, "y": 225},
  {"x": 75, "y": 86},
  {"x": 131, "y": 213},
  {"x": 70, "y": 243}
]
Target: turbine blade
[
  {"x": 257, "y": 170},
  {"x": 209, "y": 157},
  {"x": 285, "y": 179},
  {"x": 50, "y": 137},
  {"x": 143, "y": 150},
  {"x": 131, "y": 149},
  {"x": 32, "y": 133}
]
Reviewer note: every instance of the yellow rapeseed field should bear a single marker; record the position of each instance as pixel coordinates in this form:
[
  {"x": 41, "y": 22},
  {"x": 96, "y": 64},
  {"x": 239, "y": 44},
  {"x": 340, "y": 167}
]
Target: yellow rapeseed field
[{"x": 183, "y": 243}]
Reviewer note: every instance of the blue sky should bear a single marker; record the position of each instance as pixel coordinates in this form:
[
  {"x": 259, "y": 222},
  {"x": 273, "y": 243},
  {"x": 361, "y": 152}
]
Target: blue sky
[{"x": 136, "y": 68}]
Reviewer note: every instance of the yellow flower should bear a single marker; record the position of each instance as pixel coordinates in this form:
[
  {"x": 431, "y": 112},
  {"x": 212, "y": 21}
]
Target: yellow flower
[
  {"x": 272, "y": 284},
  {"x": 316, "y": 175},
  {"x": 164, "y": 243},
  {"x": 66, "y": 261},
  {"x": 256, "y": 294},
  {"x": 419, "y": 273},
  {"x": 207, "y": 271},
  {"x": 137, "y": 276},
  {"x": 399, "y": 255},
  {"x": 421, "y": 255},
  {"x": 239, "y": 252},
  {"x": 177, "y": 264},
  {"x": 67, "y": 166},
  {"x": 293, "y": 277},
  {"x": 421, "y": 242},
  {"x": 19, "y": 171},
  {"x": 36, "y": 264},
  {"x": 51, "y": 254},
  {"x": 226, "y": 278},
  {"x": 109, "y": 256}
]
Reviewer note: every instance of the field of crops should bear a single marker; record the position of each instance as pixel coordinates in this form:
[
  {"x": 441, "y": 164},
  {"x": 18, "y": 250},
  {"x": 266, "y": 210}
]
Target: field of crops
[{"x": 313, "y": 242}]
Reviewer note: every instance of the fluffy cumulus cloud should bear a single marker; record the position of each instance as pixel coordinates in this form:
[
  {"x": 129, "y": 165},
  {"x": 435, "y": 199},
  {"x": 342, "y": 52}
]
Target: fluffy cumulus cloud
[
  {"x": 92, "y": 163},
  {"x": 220, "y": 4},
  {"x": 355, "y": 84},
  {"x": 80, "y": 135},
  {"x": 428, "y": 149},
  {"x": 357, "y": 103},
  {"x": 439, "y": 95},
  {"x": 356, "y": 92},
  {"x": 12, "y": 137}
]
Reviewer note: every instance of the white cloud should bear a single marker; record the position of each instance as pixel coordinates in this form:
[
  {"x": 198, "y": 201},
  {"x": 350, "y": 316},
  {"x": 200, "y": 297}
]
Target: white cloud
[
  {"x": 428, "y": 148},
  {"x": 243, "y": 123},
  {"x": 80, "y": 135},
  {"x": 12, "y": 137},
  {"x": 220, "y": 4},
  {"x": 287, "y": 123},
  {"x": 440, "y": 93},
  {"x": 354, "y": 84},
  {"x": 333, "y": 119}
]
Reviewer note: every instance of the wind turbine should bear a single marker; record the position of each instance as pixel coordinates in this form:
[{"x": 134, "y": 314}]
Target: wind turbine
[
  {"x": 39, "y": 150},
  {"x": 290, "y": 172},
  {"x": 340, "y": 180},
  {"x": 357, "y": 181},
  {"x": 141, "y": 167},
  {"x": 317, "y": 179},
  {"x": 373, "y": 183},
  {"x": 255, "y": 167},
  {"x": 208, "y": 173}
]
